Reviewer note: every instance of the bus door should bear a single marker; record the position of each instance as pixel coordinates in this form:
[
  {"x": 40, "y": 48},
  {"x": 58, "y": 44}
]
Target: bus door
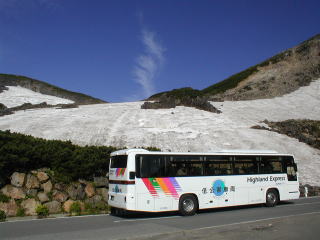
[{"x": 290, "y": 168}]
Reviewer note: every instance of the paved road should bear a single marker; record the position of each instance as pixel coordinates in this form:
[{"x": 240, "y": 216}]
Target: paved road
[{"x": 110, "y": 227}]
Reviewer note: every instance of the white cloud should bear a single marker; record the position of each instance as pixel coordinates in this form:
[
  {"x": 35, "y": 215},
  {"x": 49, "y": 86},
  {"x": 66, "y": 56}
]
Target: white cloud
[{"x": 149, "y": 63}]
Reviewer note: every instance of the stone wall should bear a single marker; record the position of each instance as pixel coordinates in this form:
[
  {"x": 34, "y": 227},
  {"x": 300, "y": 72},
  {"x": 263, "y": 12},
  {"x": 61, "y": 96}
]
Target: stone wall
[{"x": 28, "y": 190}]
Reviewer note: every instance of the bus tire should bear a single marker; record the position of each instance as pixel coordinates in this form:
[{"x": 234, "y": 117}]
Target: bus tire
[
  {"x": 113, "y": 211},
  {"x": 272, "y": 198},
  {"x": 188, "y": 205}
]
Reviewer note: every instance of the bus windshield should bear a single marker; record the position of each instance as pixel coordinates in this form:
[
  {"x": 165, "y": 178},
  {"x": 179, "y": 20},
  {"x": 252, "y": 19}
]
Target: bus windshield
[{"x": 119, "y": 161}]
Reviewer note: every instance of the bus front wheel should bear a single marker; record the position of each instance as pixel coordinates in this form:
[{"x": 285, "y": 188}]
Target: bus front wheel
[
  {"x": 188, "y": 205},
  {"x": 272, "y": 198}
]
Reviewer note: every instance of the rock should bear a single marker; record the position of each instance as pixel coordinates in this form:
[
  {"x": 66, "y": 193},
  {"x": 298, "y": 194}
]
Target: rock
[
  {"x": 60, "y": 186},
  {"x": 47, "y": 187},
  {"x": 94, "y": 201},
  {"x": 17, "y": 179},
  {"x": 10, "y": 208},
  {"x": 43, "y": 197},
  {"x": 104, "y": 193},
  {"x": 13, "y": 192},
  {"x": 29, "y": 206},
  {"x": 67, "y": 205},
  {"x": 83, "y": 182},
  {"x": 42, "y": 176},
  {"x": 32, "y": 192},
  {"x": 60, "y": 196},
  {"x": 100, "y": 181},
  {"x": 32, "y": 182},
  {"x": 89, "y": 189},
  {"x": 76, "y": 191},
  {"x": 54, "y": 206}
]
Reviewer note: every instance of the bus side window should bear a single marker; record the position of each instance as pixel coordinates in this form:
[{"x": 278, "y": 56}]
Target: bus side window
[
  {"x": 270, "y": 164},
  {"x": 245, "y": 165}
]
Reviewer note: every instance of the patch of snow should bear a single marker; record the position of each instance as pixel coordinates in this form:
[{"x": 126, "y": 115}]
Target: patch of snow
[
  {"x": 182, "y": 128},
  {"x": 16, "y": 96}
]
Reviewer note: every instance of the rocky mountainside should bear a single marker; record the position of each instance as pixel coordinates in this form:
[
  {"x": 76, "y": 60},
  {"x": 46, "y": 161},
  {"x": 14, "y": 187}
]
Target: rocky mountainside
[
  {"x": 45, "y": 88},
  {"x": 274, "y": 77}
]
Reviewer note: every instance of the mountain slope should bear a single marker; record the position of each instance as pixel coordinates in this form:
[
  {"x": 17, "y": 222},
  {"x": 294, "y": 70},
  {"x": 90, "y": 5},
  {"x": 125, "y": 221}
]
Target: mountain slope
[
  {"x": 274, "y": 77},
  {"x": 182, "y": 128},
  {"x": 46, "y": 88}
]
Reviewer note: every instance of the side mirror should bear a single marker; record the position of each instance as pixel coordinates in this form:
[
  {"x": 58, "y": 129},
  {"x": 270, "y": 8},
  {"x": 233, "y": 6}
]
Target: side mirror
[
  {"x": 295, "y": 167},
  {"x": 132, "y": 175}
]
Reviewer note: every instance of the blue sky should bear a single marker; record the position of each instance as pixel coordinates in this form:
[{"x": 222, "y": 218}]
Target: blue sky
[{"x": 127, "y": 50}]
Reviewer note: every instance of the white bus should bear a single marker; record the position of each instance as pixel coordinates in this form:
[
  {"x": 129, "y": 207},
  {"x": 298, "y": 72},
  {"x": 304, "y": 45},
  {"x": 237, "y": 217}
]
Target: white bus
[{"x": 140, "y": 180}]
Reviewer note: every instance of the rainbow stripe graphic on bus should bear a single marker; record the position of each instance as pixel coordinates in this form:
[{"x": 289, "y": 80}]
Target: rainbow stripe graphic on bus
[
  {"x": 120, "y": 171},
  {"x": 169, "y": 186}
]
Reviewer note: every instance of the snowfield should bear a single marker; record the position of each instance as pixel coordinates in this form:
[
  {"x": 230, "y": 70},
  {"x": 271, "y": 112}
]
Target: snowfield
[
  {"x": 17, "y": 96},
  {"x": 182, "y": 128}
]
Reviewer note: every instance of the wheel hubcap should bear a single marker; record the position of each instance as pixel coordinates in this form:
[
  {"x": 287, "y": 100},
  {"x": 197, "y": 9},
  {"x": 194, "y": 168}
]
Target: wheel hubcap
[
  {"x": 188, "y": 205},
  {"x": 271, "y": 198}
]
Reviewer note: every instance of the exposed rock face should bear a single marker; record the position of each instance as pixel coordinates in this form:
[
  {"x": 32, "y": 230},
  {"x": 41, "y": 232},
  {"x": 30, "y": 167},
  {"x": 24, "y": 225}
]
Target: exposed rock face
[
  {"x": 10, "y": 208},
  {"x": 100, "y": 181},
  {"x": 104, "y": 193},
  {"x": 32, "y": 182},
  {"x": 171, "y": 102},
  {"x": 43, "y": 197},
  {"x": 277, "y": 76},
  {"x": 54, "y": 206},
  {"x": 47, "y": 187},
  {"x": 307, "y": 131},
  {"x": 13, "y": 192},
  {"x": 29, "y": 206},
  {"x": 60, "y": 196},
  {"x": 67, "y": 205},
  {"x": 17, "y": 179},
  {"x": 89, "y": 189},
  {"x": 42, "y": 176},
  {"x": 76, "y": 191},
  {"x": 3, "y": 88}
]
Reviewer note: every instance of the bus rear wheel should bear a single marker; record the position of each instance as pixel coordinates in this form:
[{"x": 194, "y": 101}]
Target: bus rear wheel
[
  {"x": 272, "y": 198},
  {"x": 188, "y": 205}
]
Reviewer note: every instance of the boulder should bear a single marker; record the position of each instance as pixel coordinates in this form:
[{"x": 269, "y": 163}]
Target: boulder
[
  {"x": 60, "y": 196},
  {"x": 94, "y": 201},
  {"x": 47, "y": 186},
  {"x": 89, "y": 189},
  {"x": 42, "y": 176},
  {"x": 67, "y": 205},
  {"x": 32, "y": 192},
  {"x": 76, "y": 191},
  {"x": 53, "y": 206},
  {"x": 10, "y": 208},
  {"x": 60, "y": 186},
  {"x": 13, "y": 192},
  {"x": 100, "y": 181},
  {"x": 43, "y": 197},
  {"x": 17, "y": 179},
  {"x": 103, "y": 192},
  {"x": 29, "y": 206},
  {"x": 32, "y": 182}
]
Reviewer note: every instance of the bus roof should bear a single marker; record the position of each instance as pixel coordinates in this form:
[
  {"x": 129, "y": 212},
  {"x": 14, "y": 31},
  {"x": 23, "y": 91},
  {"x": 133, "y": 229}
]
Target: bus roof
[
  {"x": 127, "y": 151},
  {"x": 223, "y": 152}
]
